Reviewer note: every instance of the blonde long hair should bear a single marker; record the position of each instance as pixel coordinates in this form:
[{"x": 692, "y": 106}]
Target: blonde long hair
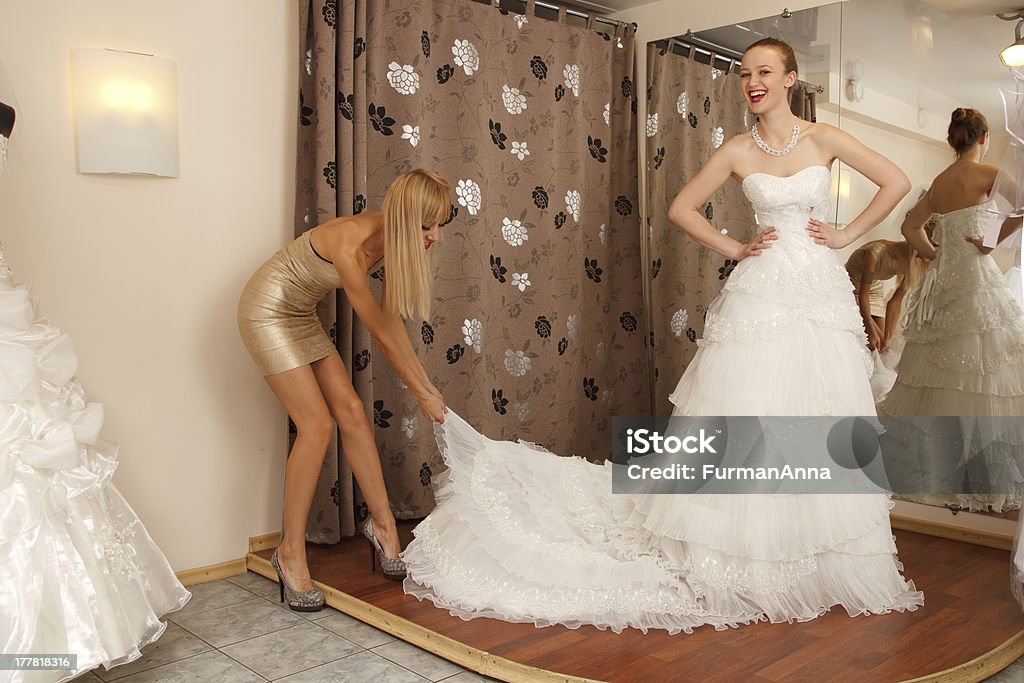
[
  {"x": 915, "y": 267},
  {"x": 413, "y": 200}
]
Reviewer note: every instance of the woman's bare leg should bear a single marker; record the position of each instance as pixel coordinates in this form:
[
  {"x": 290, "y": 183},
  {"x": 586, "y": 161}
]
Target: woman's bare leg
[
  {"x": 359, "y": 447},
  {"x": 299, "y": 393}
]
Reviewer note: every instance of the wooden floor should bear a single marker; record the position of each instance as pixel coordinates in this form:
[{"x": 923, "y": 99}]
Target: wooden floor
[{"x": 968, "y": 615}]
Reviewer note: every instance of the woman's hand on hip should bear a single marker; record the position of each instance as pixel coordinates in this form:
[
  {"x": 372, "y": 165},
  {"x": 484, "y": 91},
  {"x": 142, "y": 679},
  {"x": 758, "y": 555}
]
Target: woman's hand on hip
[
  {"x": 977, "y": 241},
  {"x": 755, "y": 246},
  {"x": 826, "y": 234}
]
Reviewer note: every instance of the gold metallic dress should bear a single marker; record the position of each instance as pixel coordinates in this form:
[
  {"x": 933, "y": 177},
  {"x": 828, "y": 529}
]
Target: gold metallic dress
[
  {"x": 277, "y": 310},
  {"x": 886, "y": 267}
]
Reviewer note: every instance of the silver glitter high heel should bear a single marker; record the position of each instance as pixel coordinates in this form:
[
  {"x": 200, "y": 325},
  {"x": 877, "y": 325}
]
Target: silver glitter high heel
[
  {"x": 298, "y": 601},
  {"x": 392, "y": 567}
]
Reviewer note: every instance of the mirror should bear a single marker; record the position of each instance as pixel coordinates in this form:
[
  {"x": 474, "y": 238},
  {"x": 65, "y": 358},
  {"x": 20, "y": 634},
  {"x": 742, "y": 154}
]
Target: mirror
[
  {"x": 890, "y": 74},
  {"x": 950, "y": 327}
]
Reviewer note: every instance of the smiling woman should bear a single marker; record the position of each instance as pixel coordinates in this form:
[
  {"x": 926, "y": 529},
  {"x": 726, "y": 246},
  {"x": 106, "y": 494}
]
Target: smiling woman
[{"x": 278, "y": 322}]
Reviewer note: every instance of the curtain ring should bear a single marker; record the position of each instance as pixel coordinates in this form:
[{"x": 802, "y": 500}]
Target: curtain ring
[
  {"x": 561, "y": 15},
  {"x": 530, "y": 8}
]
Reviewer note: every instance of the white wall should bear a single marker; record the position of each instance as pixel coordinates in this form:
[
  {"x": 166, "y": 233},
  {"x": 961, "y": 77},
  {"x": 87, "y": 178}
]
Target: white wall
[{"x": 144, "y": 273}]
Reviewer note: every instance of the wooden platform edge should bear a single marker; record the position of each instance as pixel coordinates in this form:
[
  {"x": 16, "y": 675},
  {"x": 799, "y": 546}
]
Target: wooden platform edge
[
  {"x": 264, "y": 541},
  {"x": 979, "y": 668},
  {"x": 212, "y": 572},
  {"x": 989, "y": 539},
  {"x": 482, "y": 662}
]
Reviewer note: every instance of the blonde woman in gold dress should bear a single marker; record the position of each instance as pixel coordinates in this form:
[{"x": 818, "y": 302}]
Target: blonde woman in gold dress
[{"x": 279, "y": 326}]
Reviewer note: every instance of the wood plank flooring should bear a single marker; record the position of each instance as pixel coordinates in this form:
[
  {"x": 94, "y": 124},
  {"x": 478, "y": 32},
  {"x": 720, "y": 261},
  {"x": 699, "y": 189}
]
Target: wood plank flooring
[{"x": 968, "y": 612}]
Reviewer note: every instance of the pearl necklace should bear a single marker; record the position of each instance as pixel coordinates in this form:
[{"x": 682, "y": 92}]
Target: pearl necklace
[{"x": 767, "y": 149}]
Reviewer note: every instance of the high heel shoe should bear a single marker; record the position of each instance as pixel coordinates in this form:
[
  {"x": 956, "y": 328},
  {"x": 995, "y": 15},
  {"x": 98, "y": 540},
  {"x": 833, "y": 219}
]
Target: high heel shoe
[
  {"x": 298, "y": 601},
  {"x": 392, "y": 567}
]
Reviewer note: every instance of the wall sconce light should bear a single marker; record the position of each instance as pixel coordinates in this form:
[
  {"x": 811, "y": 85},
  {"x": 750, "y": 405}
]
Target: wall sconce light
[
  {"x": 1013, "y": 55},
  {"x": 921, "y": 35},
  {"x": 840, "y": 191},
  {"x": 126, "y": 112},
  {"x": 855, "y": 84}
]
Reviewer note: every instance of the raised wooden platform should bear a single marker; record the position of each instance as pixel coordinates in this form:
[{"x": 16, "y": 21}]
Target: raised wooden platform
[{"x": 969, "y": 628}]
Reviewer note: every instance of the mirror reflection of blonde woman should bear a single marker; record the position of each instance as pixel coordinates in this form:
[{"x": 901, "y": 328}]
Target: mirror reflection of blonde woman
[
  {"x": 279, "y": 326},
  {"x": 869, "y": 267}
]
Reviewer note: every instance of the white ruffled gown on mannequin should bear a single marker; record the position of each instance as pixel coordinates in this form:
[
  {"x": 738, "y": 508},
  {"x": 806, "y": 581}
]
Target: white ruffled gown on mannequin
[
  {"x": 79, "y": 574},
  {"x": 522, "y": 535}
]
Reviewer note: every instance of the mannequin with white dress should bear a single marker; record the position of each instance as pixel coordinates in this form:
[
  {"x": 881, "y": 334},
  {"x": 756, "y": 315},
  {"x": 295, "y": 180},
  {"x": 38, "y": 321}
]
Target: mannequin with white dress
[{"x": 79, "y": 574}]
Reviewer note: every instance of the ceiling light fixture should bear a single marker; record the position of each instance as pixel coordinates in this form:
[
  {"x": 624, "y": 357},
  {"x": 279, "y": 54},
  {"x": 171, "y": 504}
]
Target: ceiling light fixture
[{"x": 1013, "y": 55}]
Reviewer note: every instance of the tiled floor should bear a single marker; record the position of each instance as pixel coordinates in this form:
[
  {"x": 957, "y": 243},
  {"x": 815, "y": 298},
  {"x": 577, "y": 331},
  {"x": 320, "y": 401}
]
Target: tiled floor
[{"x": 237, "y": 630}]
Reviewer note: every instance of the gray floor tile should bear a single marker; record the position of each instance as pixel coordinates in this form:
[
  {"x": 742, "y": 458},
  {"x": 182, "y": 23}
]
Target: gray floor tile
[
  {"x": 255, "y": 583},
  {"x": 468, "y": 677},
  {"x": 418, "y": 661},
  {"x": 205, "y": 668},
  {"x": 208, "y": 596},
  {"x": 87, "y": 677},
  {"x": 291, "y": 650},
  {"x": 176, "y": 643},
  {"x": 228, "y": 625},
  {"x": 357, "y": 668},
  {"x": 359, "y": 633}
]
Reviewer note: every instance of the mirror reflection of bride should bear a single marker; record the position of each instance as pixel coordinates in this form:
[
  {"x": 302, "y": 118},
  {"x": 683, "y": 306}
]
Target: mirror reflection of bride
[{"x": 964, "y": 351}]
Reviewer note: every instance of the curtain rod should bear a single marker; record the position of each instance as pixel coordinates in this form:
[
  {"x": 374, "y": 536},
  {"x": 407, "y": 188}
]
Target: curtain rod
[
  {"x": 576, "y": 13},
  {"x": 726, "y": 54},
  {"x": 584, "y": 15}
]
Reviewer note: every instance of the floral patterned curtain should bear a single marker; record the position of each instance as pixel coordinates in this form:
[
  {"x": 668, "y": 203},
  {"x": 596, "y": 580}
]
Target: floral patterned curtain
[
  {"x": 536, "y": 326},
  {"x": 692, "y": 109}
]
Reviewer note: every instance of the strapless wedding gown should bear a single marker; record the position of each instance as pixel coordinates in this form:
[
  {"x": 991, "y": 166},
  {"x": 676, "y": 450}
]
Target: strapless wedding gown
[
  {"x": 522, "y": 535},
  {"x": 79, "y": 574},
  {"x": 964, "y": 356}
]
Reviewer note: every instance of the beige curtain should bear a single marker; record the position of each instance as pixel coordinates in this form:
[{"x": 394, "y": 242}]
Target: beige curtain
[
  {"x": 537, "y": 326},
  {"x": 693, "y": 108},
  {"x": 802, "y": 101}
]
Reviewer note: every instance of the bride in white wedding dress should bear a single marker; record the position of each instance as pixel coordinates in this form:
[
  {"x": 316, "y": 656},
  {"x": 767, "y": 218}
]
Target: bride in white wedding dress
[
  {"x": 521, "y": 535},
  {"x": 79, "y": 574}
]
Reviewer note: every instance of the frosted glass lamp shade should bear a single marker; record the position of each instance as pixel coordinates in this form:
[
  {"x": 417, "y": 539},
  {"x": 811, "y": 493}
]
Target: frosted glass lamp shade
[{"x": 126, "y": 112}]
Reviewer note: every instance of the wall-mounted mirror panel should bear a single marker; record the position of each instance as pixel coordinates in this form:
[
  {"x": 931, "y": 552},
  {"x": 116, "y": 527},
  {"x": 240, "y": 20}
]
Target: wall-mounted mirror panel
[{"x": 891, "y": 75}]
